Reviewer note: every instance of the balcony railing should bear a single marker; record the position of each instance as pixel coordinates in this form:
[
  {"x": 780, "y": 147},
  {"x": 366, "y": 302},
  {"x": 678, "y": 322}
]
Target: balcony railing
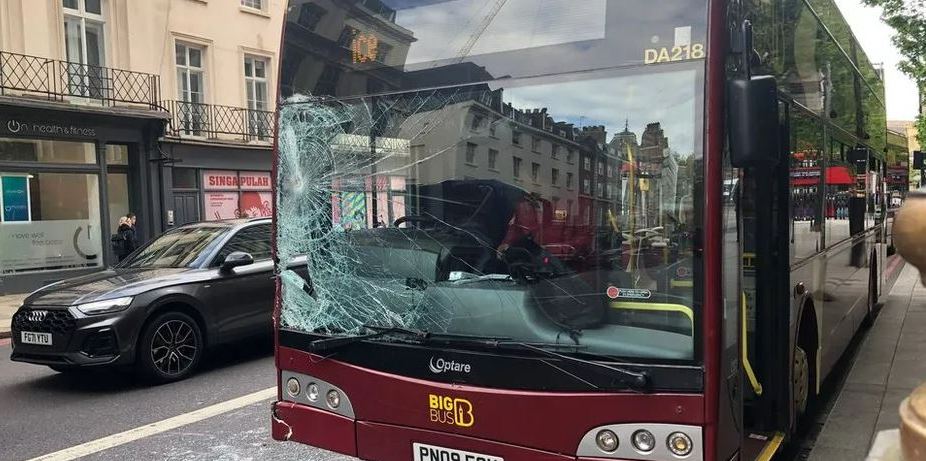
[
  {"x": 213, "y": 121},
  {"x": 22, "y": 74}
]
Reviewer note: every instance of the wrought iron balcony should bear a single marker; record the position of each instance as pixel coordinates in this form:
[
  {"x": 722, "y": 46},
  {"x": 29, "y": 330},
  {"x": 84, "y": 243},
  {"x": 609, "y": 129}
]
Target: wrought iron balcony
[
  {"x": 22, "y": 74},
  {"x": 213, "y": 121}
]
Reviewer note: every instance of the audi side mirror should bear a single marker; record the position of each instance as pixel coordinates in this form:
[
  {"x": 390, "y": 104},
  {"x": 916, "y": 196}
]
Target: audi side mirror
[
  {"x": 236, "y": 259},
  {"x": 752, "y": 121}
]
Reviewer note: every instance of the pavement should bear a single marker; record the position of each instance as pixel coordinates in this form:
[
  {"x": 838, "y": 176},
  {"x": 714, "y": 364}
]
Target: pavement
[
  {"x": 890, "y": 363},
  {"x": 8, "y": 305}
]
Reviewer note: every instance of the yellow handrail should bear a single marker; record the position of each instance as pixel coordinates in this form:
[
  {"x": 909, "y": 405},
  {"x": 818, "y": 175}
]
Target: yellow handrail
[{"x": 750, "y": 374}]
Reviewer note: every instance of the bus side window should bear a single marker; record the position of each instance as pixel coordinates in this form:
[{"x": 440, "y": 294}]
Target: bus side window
[
  {"x": 840, "y": 179},
  {"x": 806, "y": 183}
]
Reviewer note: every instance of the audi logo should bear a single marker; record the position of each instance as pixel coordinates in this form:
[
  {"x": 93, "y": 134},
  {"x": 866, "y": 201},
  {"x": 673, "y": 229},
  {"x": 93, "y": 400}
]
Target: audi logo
[{"x": 36, "y": 316}]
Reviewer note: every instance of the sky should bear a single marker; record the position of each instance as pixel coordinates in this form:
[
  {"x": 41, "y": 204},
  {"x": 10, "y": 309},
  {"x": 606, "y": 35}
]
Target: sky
[{"x": 875, "y": 38}]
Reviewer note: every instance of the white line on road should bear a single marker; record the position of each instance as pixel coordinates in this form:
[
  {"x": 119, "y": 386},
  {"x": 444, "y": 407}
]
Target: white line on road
[{"x": 165, "y": 425}]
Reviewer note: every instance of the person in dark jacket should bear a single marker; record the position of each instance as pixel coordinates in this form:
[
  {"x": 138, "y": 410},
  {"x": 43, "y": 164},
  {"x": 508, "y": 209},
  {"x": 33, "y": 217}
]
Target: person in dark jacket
[{"x": 128, "y": 237}]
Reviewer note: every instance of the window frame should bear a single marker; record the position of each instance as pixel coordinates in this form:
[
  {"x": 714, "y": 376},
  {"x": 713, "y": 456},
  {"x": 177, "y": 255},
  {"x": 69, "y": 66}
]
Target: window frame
[
  {"x": 261, "y": 5},
  {"x": 189, "y": 70},
  {"x": 218, "y": 258}
]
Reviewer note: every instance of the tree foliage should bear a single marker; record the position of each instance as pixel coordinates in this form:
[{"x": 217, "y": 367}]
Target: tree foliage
[{"x": 908, "y": 19}]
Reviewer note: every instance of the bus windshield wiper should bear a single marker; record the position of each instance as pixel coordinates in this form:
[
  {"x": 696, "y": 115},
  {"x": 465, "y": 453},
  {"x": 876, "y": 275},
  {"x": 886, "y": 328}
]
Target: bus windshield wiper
[
  {"x": 379, "y": 331},
  {"x": 638, "y": 380}
]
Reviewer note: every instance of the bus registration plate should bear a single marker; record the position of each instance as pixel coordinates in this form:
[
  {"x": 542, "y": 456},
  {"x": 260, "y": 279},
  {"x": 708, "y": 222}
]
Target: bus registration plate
[{"x": 424, "y": 452}]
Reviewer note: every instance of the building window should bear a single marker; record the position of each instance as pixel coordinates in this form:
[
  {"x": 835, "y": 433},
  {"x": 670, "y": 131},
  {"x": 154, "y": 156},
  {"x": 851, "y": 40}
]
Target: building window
[
  {"x": 555, "y": 154},
  {"x": 347, "y": 36},
  {"x": 516, "y": 138},
  {"x": 492, "y": 128},
  {"x": 382, "y": 51},
  {"x": 586, "y": 186},
  {"x": 610, "y": 171},
  {"x": 570, "y": 156},
  {"x": 516, "y": 166},
  {"x": 310, "y": 15},
  {"x": 587, "y": 164},
  {"x": 535, "y": 172},
  {"x": 555, "y": 177},
  {"x": 600, "y": 167},
  {"x": 601, "y": 189},
  {"x": 255, "y": 4},
  {"x": 568, "y": 180},
  {"x": 476, "y": 122},
  {"x": 535, "y": 144},
  {"x": 493, "y": 157},
  {"x": 328, "y": 80},
  {"x": 190, "y": 78},
  {"x": 255, "y": 82},
  {"x": 84, "y": 47},
  {"x": 470, "y": 153}
]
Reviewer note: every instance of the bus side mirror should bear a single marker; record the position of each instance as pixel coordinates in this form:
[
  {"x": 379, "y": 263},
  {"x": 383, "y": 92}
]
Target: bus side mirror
[{"x": 752, "y": 121}]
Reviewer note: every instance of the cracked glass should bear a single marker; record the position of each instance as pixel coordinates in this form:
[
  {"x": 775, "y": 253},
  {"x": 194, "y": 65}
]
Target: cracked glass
[{"x": 423, "y": 188}]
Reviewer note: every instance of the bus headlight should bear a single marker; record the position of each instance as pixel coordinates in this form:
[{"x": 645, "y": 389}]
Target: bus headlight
[
  {"x": 607, "y": 440},
  {"x": 679, "y": 444},
  {"x": 643, "y": 440},
  {"x": 312, "y": 392},
  {"x": 293, "y": 387},
  {"x": 333, "y": 398}
]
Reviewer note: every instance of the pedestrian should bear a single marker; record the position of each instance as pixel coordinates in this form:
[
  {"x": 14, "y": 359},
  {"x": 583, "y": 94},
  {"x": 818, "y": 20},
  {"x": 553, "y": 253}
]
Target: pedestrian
[{"x": 128, "y": 236}]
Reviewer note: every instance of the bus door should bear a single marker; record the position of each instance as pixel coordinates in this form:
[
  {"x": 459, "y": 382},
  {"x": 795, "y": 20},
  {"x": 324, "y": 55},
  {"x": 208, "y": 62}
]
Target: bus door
[{"x": 763, "y": 208}]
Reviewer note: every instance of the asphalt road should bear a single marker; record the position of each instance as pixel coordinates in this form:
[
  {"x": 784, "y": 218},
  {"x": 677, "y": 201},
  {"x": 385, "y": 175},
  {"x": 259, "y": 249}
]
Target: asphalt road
[{"x": 42, "y": 411}]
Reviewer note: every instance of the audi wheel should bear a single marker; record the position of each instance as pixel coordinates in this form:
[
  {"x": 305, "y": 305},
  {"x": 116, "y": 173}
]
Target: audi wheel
[{"x": 170, "y": 348}]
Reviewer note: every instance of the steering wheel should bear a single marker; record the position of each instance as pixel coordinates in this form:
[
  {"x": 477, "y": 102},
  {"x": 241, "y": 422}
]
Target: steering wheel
[{"x": 413, "y": 219}]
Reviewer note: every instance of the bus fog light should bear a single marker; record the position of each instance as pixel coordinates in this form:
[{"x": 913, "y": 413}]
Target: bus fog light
[
  {"x": 644, "y": 441},
  {"x": 679, "y": 444},
  {"x": 312, "y": 392},
  {"x": 333, "y": 398},
  {"x": 292, "y": 387},
  {"x": 606, "y": 440}
]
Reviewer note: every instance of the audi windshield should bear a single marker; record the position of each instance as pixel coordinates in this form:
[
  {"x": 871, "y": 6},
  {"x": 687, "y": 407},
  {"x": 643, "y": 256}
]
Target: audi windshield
[{"x": 526, "y": 171}]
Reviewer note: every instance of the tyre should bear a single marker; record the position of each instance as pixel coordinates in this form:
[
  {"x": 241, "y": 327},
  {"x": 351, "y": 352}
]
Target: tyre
[
  {"x": 170, "y": 348},
  {"x": 800, "y": 381}
]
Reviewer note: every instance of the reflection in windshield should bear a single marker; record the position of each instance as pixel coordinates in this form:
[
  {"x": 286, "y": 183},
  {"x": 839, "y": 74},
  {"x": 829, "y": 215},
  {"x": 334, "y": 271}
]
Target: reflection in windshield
[
  {"x": 178, "y": 248},
  {"x": 546, "y": 209}
]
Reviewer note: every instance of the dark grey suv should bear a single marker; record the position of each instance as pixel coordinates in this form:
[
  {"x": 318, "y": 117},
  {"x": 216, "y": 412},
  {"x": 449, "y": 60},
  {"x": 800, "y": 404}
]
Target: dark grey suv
[{"x": 193, "y": 287}]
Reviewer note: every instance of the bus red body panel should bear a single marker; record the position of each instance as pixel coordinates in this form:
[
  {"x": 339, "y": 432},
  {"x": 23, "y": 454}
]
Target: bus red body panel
[
  {"x": 546, "y": 421},
  {"x": 315, "y": 427}
]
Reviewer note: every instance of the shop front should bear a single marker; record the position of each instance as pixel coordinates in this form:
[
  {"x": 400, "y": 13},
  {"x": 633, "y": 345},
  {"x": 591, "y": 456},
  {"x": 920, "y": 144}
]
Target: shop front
[
  {"x": 214, "y": 182},
  {"x": 65, "y": 179}
]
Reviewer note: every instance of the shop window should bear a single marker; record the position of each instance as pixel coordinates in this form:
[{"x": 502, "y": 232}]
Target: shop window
[
  {"x": 50, "y": 221},
  {"x": 40, "y": 151},
  {"x": 234, "y": 194},
  {"x": 117, "y": 154},
  {"x": 183, "y": 178},
  {"x": 117, "y": 191}
]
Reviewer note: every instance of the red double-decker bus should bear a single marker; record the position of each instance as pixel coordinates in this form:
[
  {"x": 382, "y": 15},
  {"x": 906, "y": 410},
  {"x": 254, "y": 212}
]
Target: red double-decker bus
[{"x": 559, "y": 230}]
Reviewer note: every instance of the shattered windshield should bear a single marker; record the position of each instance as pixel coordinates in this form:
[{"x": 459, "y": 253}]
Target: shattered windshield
[{"x": 439, "y": 172}]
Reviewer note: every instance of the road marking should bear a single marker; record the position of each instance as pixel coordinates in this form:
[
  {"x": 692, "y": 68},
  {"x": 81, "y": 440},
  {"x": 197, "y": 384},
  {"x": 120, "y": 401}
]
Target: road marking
[{"x": 165, "y": 425}]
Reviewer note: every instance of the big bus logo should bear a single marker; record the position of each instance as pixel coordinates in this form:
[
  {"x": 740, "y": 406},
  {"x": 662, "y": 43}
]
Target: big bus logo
[{"x": 450, "y": 411}]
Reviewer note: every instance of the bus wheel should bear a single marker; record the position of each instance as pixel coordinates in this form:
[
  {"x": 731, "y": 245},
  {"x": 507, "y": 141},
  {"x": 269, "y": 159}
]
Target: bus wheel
[{"x": 800, "y": 380}]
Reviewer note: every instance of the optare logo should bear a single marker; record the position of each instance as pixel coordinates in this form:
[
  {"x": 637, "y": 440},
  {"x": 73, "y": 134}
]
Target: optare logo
[
  {"x": 439, "y": 365},
  {"x": 13, "y": 126}
]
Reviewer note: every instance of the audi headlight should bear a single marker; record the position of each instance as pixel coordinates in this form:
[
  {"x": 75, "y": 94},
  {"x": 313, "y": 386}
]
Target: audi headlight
[{"x": 106, "y": 306}]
